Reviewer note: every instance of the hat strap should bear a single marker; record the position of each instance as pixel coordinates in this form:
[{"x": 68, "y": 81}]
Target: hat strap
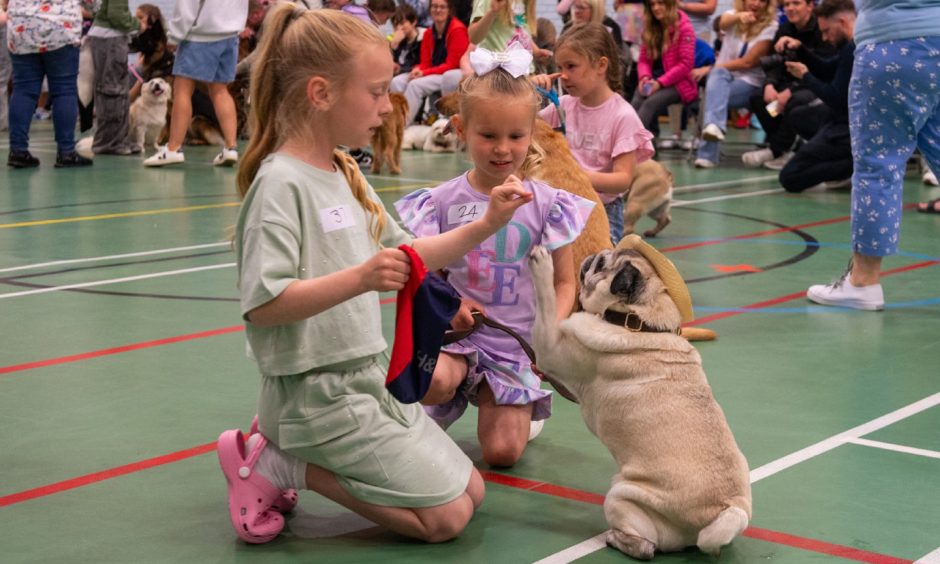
[{"x": 632, "y": 322}]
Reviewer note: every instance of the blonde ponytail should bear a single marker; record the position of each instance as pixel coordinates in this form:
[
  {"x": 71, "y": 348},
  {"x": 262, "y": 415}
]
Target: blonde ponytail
[{"x": 360, "y": 189}]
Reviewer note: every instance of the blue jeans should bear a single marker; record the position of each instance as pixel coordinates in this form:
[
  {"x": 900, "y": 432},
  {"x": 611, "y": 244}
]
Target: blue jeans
[
  {"x": 722, "y": 91},
  {"x": 615, "y": 218},
  {"x": 60, "y": 67}
]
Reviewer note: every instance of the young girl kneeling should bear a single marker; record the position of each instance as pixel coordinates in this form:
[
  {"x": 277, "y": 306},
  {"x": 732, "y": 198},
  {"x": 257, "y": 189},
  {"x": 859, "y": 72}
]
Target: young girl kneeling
[
  {"x": 489, "y": 368},
  {"x": 314, "y": 247}
]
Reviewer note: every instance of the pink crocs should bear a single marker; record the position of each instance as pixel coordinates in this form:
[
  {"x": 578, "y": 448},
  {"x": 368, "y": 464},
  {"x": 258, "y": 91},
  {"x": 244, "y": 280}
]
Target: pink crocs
[
  {"x": 250, "y": 495},
  {"x": 288, "y": 499}
]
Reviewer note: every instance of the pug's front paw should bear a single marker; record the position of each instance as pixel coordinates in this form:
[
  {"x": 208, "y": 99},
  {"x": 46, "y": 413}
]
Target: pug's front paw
[{"x": 541, "y": 266}]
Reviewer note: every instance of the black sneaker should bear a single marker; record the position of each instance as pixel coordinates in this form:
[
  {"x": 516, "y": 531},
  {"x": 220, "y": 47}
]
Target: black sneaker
[
  {"x": 363, "y": 159},
  {"x": 70, "y": 160},
  {"x": 22, "y": 159}
]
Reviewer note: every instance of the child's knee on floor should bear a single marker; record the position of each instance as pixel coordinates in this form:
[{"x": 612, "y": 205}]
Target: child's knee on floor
[{"x": 449, "y": 372}]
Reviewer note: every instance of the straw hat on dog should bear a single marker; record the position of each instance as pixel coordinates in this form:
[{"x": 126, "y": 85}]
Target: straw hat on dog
[{"x": 667, "y": 272}]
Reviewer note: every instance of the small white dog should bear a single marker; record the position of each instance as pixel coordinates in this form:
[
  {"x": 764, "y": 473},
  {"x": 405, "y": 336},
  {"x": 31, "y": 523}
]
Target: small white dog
[
  {"x": 441, "y": 138},
  {"x": 148, "y": 114},
  {"x": 415, "y": 137}
]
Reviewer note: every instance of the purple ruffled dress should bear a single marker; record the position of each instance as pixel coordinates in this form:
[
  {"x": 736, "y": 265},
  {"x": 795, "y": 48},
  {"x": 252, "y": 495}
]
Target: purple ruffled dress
[{"x": 496, "y": 274}]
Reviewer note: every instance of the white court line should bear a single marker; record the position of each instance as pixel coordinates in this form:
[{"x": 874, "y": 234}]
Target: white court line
[
  {"x": 700, "y": 187},
  {"x": 110, "y": 257},
  {"x": 826, "y": 445},
  {"x": 932, "y": 558},
  {"x": 895, "y": 448},
  {"x": 570, "y": 554},
  {"x": 114, "y": 281},
  {"x": 584, "y": 548},
  {"x": 680, "y": 203}
]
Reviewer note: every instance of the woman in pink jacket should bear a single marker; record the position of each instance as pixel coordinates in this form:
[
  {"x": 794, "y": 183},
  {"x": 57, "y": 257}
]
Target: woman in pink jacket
[{"x": 667, "y": 56}]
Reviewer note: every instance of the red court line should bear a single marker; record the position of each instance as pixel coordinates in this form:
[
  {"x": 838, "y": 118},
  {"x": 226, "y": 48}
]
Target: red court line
[
  {"x": 235, "y": 328},
  {"x": 118, "y": 350},
  {"x": 803, "y": 543},
  {"x": 94, "y": 477}
]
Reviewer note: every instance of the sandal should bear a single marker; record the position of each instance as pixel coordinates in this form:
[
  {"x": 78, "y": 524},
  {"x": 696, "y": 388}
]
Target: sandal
[
  {"x": 932, "y": 206},
  {"x": 250, "y": 495},
  {"x": 288, "y": 499}
]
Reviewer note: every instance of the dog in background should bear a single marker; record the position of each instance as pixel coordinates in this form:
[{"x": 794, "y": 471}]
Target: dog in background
[
  {"x": 442, "y": 138},
  {"x": 650, "y": 193},
  {"x": 148, "y": 114},
  {"x": 682, "y": 479},
  {"x": 415, "y": 137},
  {"x": 387, "y": 139}
]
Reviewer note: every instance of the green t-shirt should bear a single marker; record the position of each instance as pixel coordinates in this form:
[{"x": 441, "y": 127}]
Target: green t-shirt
[
  {"x": 298, "y": 222},
  {"x": 500, "y": 31}
]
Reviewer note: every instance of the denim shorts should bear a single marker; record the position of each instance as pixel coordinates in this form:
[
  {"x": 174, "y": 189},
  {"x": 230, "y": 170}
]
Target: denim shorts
[{"x": 207, "y": 61}]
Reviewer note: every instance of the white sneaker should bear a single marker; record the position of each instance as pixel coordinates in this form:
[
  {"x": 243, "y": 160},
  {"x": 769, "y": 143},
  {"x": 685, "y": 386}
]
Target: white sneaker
[
  {"x": 228, "y": 157},
  {"x": 535, "y": 427},
  {"x": 754, "y": 159},
  {"x": 929, "y": 177},
  {"x": 779, "y": 162},
  {"x": 713, "y": 133},
  {"x": 688, "y": 144},
  {"x": 704, "y": 163},
  {"x": 843, "y": 294},
  {"x": 164, "y": 157},
  {"x": 668, "y": 143}
]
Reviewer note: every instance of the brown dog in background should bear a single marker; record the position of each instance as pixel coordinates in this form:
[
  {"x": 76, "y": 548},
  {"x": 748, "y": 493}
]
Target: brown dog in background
[
  {"x": 387, "y": 139},
  {"x": 650, "y": 194}
]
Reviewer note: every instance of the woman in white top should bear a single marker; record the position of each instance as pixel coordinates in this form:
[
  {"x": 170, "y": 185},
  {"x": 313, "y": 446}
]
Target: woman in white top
[{"x": 737, "y": 74}]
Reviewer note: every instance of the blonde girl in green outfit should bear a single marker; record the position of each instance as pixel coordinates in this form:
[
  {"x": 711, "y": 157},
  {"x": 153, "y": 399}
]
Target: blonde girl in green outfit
[{"x": 314, "y": 246}]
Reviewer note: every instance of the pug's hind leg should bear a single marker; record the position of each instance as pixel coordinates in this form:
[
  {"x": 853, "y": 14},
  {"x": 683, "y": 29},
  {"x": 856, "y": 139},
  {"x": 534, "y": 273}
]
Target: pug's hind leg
[{"x": 631, "y": 545}]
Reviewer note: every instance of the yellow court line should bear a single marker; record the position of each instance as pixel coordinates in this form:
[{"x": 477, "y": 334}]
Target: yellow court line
[
  {"x": 165, "y": 210},
  {"x": 115, "y": 215},
  {"x": 406, "y": 187}
]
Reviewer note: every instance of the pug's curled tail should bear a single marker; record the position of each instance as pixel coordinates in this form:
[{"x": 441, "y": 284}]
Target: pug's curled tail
[{"x": 722, "y": 530}]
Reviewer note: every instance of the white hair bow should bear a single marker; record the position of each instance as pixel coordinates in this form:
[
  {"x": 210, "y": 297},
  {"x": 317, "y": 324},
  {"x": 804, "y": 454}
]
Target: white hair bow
[{"x": 515, "y": 61}]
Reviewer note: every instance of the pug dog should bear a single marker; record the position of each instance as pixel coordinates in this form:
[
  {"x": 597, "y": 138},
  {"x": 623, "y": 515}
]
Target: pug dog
[
  {"x": 682, "y": 479},
  {"x": 148, "y": 113}
]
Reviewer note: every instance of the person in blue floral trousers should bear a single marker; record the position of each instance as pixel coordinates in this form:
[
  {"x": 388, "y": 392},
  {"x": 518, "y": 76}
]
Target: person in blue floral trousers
[{"x": 894, "y": 106}]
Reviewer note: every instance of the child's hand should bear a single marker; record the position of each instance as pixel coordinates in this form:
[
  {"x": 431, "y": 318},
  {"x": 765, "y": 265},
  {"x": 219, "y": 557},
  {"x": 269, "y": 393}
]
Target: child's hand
[
  {"x": 387, "y": 270},
  {"x": 544, "y": 81},
  {"x": 463, "y": 321},
  {"x": 747, "y": 17},
  {"x": 505, "y": 199}
]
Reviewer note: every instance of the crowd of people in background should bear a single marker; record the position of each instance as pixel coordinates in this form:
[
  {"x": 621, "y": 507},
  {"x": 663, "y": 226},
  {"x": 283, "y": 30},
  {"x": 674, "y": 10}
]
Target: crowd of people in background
[{"x": 791, "y": 64}]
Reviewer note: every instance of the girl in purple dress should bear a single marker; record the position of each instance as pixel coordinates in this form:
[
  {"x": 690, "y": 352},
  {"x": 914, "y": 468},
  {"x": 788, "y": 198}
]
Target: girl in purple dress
[{"x": 489, "y": 369}]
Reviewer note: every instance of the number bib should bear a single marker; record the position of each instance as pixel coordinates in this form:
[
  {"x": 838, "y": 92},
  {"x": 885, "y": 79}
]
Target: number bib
[
  {"x": 465, "y": 213},
  {"x": 337, "y": 217}
]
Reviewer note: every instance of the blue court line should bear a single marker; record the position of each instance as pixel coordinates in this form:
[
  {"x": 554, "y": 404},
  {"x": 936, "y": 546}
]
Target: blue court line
[
  {"x": 814, "y": 308},
  {"x": 763, "y": 241}
]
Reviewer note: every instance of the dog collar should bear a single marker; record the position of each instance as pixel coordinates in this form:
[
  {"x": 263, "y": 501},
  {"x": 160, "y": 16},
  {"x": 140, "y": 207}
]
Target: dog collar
[{"x": 632, "y": 322}]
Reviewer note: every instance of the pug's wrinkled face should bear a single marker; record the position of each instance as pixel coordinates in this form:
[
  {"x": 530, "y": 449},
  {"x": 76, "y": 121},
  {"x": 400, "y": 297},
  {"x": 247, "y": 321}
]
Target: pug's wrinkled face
[{"x": 623, "y": 280}]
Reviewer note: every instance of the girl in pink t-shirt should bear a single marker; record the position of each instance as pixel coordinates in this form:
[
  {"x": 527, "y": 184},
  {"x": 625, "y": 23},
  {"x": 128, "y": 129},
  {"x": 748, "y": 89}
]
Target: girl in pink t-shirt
[
  {"x": 603, "y": 130},
  {"x": 489, "y": 368}
]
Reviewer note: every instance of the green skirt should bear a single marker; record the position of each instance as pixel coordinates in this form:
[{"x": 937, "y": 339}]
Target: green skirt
[{"x": 344, "y": 420}]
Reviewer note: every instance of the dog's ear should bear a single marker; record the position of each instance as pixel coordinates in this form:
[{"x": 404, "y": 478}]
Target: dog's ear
[{"x": 627, "y": 283}]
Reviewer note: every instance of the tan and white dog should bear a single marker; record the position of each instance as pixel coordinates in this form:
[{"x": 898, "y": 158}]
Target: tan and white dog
[
  {"x": 148, "y": 114},
  {"x": 682, "y": 479},
  {"x": 650, "y": 194}
]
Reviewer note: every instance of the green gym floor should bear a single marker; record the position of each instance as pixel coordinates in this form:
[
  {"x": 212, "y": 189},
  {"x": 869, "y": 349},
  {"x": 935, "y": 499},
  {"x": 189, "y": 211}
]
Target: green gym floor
[{"x": 123, "y": 358}]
